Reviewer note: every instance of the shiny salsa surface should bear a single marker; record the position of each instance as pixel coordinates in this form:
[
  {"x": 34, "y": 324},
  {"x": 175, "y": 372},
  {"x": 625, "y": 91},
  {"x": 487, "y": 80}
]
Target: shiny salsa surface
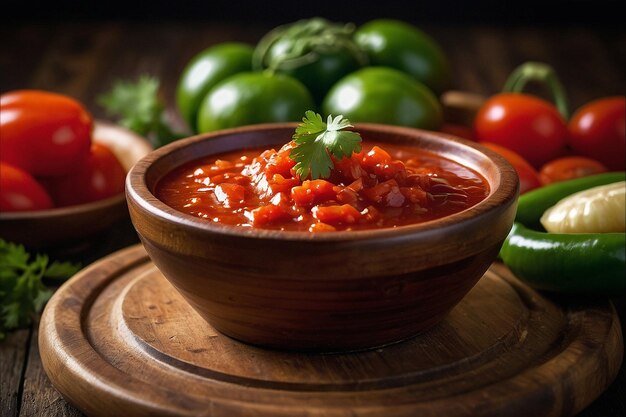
[{"x": 382, "y": 186}]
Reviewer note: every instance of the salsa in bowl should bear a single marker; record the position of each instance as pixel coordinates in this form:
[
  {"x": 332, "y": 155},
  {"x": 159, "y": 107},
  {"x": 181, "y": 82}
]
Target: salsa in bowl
[
  {"x": 384, "y": 185},
  {"x": 376, "y": 252}
]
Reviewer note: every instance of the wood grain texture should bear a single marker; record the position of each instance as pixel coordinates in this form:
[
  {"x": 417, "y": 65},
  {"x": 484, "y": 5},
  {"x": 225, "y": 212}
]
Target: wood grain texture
[
  {"x": 39, "y": 397},
  {"x": 119, "y": 340},
  {"x": 343, "y": 290},
  {"x": 13, "y": 352}
]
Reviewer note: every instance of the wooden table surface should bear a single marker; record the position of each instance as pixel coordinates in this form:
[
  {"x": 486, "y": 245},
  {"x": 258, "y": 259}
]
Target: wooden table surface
[{"x": 82, "y": 59}]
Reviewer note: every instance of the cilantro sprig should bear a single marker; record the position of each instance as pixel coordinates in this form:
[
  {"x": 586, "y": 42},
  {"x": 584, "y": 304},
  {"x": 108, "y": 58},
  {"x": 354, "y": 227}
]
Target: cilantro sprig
[
  {"x": 317, "y": 141},
  {"x": 22, "y": 292},
  {"x": 139, "y": 107}
]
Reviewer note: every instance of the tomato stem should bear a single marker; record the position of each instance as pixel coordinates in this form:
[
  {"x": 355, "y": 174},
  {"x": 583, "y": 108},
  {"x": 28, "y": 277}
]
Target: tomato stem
[{"x": 543, "y": 74}]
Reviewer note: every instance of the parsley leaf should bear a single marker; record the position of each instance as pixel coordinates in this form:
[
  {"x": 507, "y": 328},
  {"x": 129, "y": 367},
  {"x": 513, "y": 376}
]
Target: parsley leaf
[
  {"x": 317, "y": 141},
  {"x": 22, "y": 292},
  {"x": 140, "y": 109}
]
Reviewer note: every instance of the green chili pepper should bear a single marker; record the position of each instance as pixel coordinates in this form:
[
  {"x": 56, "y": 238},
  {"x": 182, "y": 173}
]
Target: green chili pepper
[
  {"x": 585, "y": 262},
  {"x": 534, "y": 203},
  {"x": 580, "y": 262}
]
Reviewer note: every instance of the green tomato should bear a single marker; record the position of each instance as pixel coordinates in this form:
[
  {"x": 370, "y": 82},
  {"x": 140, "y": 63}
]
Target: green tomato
[
  {"x": 397, "y": 44},
  {"x": 315, "y": 51},
  {"x": 318, "y": 76},
  {"x": 384, "y": 95},
  {"x": 204, "y": 71},
  {"x": 253, "y": 97}
]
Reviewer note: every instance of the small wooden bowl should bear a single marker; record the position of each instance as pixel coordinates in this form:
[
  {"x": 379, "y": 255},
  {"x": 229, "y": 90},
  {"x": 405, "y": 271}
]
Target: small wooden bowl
[
  {"x": 329, "y": 291},
  {"x": 66, "y": 226}
]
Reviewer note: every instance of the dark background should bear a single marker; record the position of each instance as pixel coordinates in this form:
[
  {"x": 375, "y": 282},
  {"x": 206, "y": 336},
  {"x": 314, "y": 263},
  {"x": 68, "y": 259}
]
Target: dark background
[{"x": 599, "y": 13}]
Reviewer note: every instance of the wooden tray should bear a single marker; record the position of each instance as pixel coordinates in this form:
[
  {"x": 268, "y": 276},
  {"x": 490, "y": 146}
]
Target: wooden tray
[{"x": 118, "y": 340}]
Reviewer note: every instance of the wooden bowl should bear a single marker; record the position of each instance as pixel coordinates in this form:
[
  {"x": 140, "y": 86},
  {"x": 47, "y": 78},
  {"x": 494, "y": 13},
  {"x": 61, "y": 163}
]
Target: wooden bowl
[
  {"x": 333, "y": 291},
  {"x": 66, "y": 226}
]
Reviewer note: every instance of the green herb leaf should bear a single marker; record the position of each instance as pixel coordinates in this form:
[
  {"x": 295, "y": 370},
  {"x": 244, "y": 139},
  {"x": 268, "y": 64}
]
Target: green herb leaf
[
  {"x": 137, "y": 103},
  {"x": 61, "y": 270},
  {"x": 140, "y": 109},
  {"x": 22, "y": 292},
  {"x": 318, "y": 141}
]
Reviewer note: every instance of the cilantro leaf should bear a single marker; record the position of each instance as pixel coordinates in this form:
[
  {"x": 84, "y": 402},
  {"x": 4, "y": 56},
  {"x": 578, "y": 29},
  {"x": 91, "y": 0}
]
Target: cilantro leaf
[
  {"x": 137, "y": 103},
  {"x": 22, "y": 292},
  {"x": 317, "y": 141},
  {"x": 139, "y": 108},
  {"x": 60, "y": 270}
]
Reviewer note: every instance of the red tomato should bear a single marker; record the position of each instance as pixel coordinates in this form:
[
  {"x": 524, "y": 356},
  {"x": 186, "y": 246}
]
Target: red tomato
[
  {"x": 528, "y": 176},
  {"x": 99, "y": 175},
  {"x": 568, "y": 168},
  {"x": 598, "y": 130},
  {"x": 43, "y": 133},
  {"x": 19, "y": 191},
  {"x": 458, "y": 130},
  {"x": 528, "y": 125}
]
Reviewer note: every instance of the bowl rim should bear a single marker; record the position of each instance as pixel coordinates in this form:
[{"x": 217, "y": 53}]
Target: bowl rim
[
  {"x": 500, "y": 198},
  {"x": 64, "y": 211}
]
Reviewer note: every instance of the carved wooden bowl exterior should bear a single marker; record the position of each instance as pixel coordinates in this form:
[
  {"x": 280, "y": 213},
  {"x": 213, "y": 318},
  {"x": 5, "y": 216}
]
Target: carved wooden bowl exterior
[{"x": 322, "y": 292}]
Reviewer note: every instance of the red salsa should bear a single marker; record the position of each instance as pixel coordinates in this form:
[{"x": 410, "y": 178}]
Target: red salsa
[{"x": 375, "y": 188}]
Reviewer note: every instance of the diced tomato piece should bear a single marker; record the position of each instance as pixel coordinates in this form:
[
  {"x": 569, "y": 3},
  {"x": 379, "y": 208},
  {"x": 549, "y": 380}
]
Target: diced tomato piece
[
  {"x": 415, "y": 195},
  {"x": 345, "y": 214},
  {"x": 241, "y": 179},
  {"x": 280, "y": 163},
  {"x": 230, "y": 194},
  {"x": 217, "y": 168},
  {"x": 287, "y": 147},
  {"x": 379, "y": 162},
  {"x": 321, "y": 227},
  {"x": 217, "y": 179},
  {"x": 396, "y": 170},
  {"x": 356, "y": 185},
  {"x": 269, "y": 214},
  {"x": 347, "y": 196},
  {"x": 313, "y": 192},
  {"x": 378, "y": 192},
  {"x": 377, "y": 156},
  {"x": 280, "y": 199},
  {"x": 348, "y": 168},
  {"x": 223, "y": 164},
  {"x": 387, "y": 193},
  {"x": 280, "y": 184},
  {"x": 302, "y": 196}
]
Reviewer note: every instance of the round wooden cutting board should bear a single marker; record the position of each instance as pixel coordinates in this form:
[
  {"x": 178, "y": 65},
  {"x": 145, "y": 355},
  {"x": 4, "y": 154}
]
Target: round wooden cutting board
[{"x": 118, "y": 340}]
